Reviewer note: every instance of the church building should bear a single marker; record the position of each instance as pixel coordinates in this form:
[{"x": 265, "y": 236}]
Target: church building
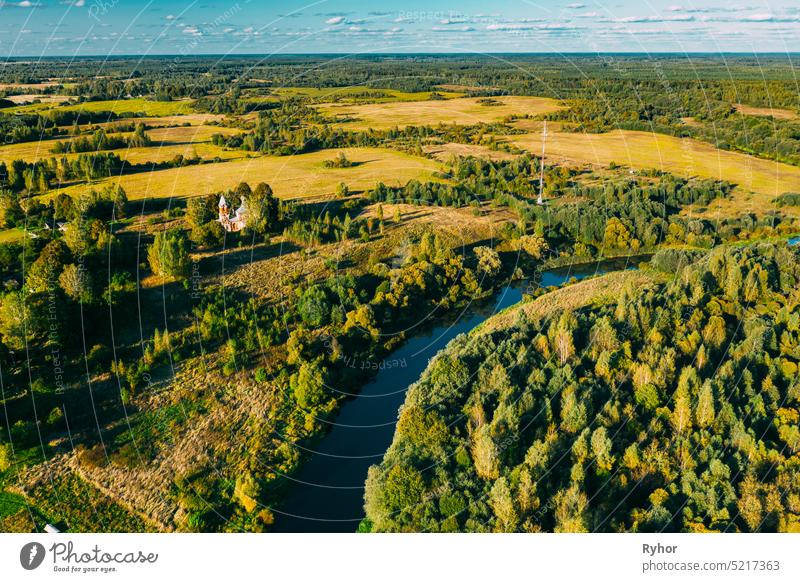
[{"x": 232, "y": 222}]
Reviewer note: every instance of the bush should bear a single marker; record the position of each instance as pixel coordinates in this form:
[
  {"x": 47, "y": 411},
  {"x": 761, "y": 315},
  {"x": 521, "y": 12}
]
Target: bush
[
  {"x": 787, "y": 199},
  {"x": 6, "y": 457}
]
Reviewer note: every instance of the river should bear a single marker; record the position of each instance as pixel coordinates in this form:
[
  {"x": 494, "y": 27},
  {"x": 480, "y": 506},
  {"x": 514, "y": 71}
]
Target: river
[{"x": 328, "y": 493}]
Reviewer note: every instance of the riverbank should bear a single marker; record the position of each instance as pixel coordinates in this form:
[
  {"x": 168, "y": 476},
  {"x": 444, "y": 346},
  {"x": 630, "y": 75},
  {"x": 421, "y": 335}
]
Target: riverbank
[{"x": 327, "y": 495}]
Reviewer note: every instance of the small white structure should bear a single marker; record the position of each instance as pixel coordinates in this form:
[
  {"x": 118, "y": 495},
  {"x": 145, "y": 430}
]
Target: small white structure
[
  {"x": 232, "y": 222},
  {"x": 50, "y": 528}
]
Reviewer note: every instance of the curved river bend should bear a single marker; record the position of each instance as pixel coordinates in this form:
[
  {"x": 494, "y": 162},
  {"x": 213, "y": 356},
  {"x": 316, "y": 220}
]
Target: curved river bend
[{"x": 328, "y": 494}]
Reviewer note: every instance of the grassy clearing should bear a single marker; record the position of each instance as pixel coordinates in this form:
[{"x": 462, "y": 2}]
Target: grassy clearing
[
  {"x": 72, "y": 502},
  {"x": 191, "y": 134},
  {"x": 453, "y": 87},
  {"x": 594, "y": 291},
  {"x": 168, "y": 120},
  {"x": 11, "y": 235},
  {"x": 22, "y": 99},
  {"x": 684, "y": 157},
  {"x": 118, "y": 106},
  {"x": 691, "y": 122},
  {"x": 445, "y": 151},
  {"x": 301, "y": 176},
  {"x": 275, "y": 277},
  {"x": 168, "y": 142},
  {"x": 10, "y": 503},
  {"x": 766, "y": 112},
  {"x": 32, "y": 108},
  {"x": 136, "y": 106},
  {"x": 352, "y": 94},
  {"x": 457, "y": 111},
  {"x": 28, "y": 86}
]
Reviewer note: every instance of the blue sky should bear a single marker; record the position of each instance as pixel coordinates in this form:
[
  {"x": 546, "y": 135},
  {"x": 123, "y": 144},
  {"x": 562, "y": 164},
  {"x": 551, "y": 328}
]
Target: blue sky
[{"x": 103, "y": 27}]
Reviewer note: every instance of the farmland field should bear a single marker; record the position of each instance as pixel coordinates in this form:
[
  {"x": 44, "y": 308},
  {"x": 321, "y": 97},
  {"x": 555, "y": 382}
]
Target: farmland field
[
  {"x": 766, "y": 112},
  {"x": 170, "y": 120},
  {"x": 446, "y": 151},
  {"x": 685, "y": 157},
  {"x": 22, "y": 99},
  {"x": 300, "y": 176},
  {"x": 467, "y": 111},
  {"x": 168, "y": 142},
  {"x": 123, "y": 107},
  {"x": 356, "y": 93}
]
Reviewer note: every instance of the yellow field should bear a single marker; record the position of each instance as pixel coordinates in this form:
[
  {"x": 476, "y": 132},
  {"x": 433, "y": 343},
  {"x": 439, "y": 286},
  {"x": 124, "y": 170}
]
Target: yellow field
[
  {"x": 11, "y": 235},
  {"x": 167, "y": 120},
  {"x": 300, "y": 176},
  {"x": 351, "y": 93},
  {"x": 27, "y": 86},
  {"x": 118, "y": 106},
  {"x": 457, "y": 111},
  {"x": 164, "y": 153},
  {"x": 452, "y": 87},
  {"x": 766, "y": 112},
  {"x": 20, "y": 99},
  {"x": 168, "y": 142},
  {"x": 445, "y": 151},
  {"x": 188, "y": 134},
  {"x": 683, "y": 157}
]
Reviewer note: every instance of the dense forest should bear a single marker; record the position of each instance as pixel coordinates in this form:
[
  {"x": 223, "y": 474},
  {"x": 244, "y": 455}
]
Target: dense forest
[{"x": 673, "y": 408}]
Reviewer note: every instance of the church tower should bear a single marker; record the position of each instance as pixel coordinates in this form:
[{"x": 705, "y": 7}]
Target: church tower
[{"x": 224, "y": 213}]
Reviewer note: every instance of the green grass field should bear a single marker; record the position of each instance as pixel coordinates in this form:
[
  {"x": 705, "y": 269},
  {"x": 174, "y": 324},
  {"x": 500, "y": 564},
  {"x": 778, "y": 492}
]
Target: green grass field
[
  {"x": 118, "y": 106},
  {"x": 10, "y": 503},
  {"x": 11, "y": 235}
]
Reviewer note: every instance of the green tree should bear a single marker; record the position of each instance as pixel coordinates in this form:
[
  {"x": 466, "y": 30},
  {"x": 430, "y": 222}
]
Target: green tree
[
  {"x": 705, "y": 405},
  {"x": 403, "y": 488},
  {"x": 169, "y": 254},
  {"x": 314, "y": 306},
  {"x": 262, "y": 209},
  {"x": 488, "y": 261},
  {"x": 6, "y": 457},
  {"x": 19, "y": 321},
  {"x": 45, "y": 270},
  {"x": 601, "y": 448},
  {"x": 308, "y": 385},
  {"x": 77, "y": 283},
  {"x": 505, "y": 511},
  {"x": 11, "y": 212}
]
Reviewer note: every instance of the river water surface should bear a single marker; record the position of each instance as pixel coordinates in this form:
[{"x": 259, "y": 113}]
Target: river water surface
[{"x": 328, "y": 491}]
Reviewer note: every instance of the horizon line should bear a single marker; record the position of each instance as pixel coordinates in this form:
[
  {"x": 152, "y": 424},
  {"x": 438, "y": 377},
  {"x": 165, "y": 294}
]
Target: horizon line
[{"x": 396, "y": 54}]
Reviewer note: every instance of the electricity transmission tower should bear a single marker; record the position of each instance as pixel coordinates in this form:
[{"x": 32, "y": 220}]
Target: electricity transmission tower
[{"x": 540, "y": 199}]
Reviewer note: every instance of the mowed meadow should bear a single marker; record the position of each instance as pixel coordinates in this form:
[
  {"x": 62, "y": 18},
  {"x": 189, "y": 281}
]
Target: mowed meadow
[
  {"x": 686, "y": 157},
  {"x": 117, "y": 106},
  {"x": 167, "y": 142},
  {"x": 466, "y": 111},
  {"x": 298, "y": 176},
  {"x": 176, "y": 131}
]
